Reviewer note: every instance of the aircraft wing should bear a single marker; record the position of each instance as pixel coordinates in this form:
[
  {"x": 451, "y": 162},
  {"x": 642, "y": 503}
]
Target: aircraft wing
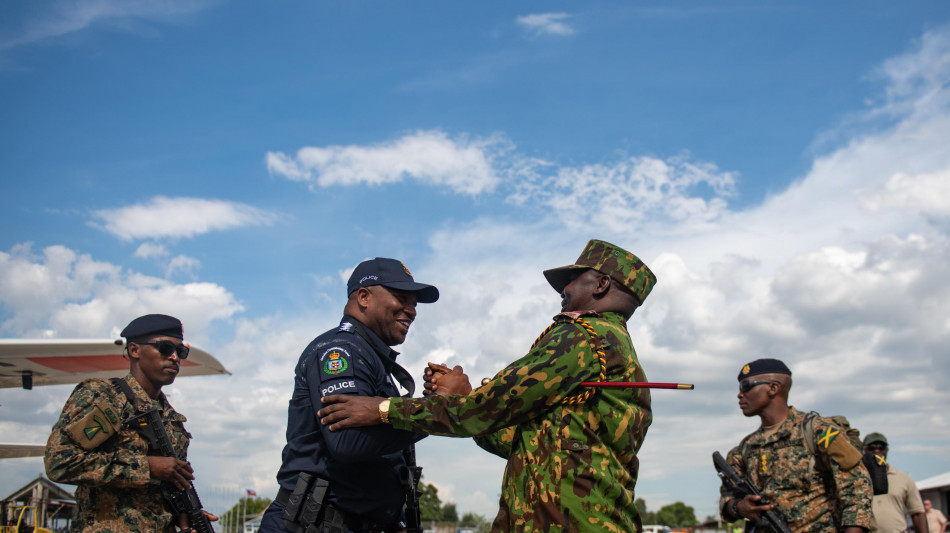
[
  {"x": 9, "y": 450},
  {"x": 28, "y": 362}
]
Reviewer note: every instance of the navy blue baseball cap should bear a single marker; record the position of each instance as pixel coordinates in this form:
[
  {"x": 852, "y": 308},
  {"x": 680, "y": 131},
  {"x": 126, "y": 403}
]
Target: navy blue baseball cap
[
  {"x": 389, "y": 273},
  {"x": 168, "y": 326}
]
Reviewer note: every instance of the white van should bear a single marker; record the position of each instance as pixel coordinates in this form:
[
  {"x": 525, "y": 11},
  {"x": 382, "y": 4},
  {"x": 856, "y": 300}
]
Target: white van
[{"x": 657, "y": 529}]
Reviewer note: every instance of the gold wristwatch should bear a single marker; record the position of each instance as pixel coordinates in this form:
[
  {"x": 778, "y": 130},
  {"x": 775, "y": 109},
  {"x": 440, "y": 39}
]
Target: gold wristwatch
[{"x": 384, "y": 411}]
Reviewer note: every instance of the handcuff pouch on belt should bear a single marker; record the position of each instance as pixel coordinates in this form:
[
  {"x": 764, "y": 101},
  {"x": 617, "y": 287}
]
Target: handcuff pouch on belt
[{"x": 303, "y": 511}]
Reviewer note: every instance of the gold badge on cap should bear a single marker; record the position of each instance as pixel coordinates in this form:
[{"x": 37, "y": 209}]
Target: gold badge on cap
[{"x": 746, "y": 369}]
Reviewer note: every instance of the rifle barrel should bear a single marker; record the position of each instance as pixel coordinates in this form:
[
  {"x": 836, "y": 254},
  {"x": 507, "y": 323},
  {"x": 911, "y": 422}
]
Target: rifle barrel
[{"x": 637, "y": 385}]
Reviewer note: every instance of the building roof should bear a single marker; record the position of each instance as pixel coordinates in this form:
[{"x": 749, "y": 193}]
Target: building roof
[
  {"x": 54, "y": 491},
  {"x": 936, "y": 482}
]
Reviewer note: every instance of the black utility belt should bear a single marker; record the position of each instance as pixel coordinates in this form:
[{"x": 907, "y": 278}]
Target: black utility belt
[{"x": 306, "y": 510}]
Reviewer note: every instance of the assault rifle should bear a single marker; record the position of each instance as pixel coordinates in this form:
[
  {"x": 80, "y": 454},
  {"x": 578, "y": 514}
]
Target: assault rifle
[
  {"x": 740, "y": 488},
  {"x": 152, "y": 428},
  {"x": 410, "y": 480}
]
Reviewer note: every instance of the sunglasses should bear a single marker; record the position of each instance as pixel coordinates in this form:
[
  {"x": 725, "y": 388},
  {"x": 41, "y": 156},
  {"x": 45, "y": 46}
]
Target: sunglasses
[
  {"x": 876, "y": 447},
  {"x": 167, "y": 348},
  {"x": 746, "y": 386}
]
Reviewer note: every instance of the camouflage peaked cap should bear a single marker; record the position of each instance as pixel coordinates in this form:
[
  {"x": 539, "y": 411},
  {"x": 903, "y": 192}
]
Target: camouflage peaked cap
[{"x": 612, "y": 260}]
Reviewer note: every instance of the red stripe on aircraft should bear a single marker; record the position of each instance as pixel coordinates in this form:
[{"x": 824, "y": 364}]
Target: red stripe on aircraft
[{"x": 88, "y": 363}]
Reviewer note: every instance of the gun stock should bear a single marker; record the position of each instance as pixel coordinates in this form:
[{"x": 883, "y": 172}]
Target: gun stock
[{"x": 740, "y": 487}]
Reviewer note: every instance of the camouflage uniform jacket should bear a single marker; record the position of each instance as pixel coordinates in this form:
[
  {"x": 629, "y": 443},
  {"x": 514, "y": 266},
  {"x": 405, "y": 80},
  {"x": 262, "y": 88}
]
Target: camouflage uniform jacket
[
  {"x": 778, "y": 465},
  {"x": 571, "y": 467},
  {"x": 113, "y": 493}
]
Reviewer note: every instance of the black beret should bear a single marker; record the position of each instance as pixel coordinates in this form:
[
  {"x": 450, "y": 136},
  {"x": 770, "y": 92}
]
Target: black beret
[
  {"x": 168, "y": 326},
  {"x": 764, "y": 366}
]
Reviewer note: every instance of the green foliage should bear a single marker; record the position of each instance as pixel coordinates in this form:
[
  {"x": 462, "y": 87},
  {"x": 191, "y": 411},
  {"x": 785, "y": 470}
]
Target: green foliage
[
  {"x": 450, "y": 513},
  {"x": 646, "y": 517},
  {"x": 245, "y": 507},
  {"x": 476, "y": 522},
  {"x": 429, "y": 503},
  {"x": 676, "y": 515}
]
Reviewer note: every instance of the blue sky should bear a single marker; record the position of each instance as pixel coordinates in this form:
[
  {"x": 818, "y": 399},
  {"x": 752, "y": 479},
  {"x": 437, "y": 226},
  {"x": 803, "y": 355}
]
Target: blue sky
[{"x": 782, "y": 167}]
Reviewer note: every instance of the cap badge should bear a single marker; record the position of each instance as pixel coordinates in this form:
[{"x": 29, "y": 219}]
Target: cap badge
[
  {"x": 406, "y": 270},
  {"x": 746, "y": 369}
]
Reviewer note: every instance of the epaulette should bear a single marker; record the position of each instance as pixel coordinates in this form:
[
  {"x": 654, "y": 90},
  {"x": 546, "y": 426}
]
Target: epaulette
[{"x": 346, "y": 327}]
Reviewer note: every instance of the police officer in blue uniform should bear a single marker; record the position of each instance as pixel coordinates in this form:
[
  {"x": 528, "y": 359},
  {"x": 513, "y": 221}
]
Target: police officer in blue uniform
[{"x": 352, "y": 477}]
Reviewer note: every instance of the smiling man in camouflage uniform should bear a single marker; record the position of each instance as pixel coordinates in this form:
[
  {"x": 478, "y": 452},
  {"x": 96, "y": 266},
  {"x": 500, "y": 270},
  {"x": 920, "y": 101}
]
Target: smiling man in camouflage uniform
[
  {"x": 109, "y": 462},
  {"x": 822, "y": 487},
  {"x": 571, "y": 450}
]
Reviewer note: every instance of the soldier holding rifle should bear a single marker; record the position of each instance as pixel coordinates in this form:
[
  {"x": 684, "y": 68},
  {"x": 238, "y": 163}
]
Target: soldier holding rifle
[
  {"x": 571, "y": 449},
  {"x": 821, "y": 487},
  {"x": 113, "y": 466}
]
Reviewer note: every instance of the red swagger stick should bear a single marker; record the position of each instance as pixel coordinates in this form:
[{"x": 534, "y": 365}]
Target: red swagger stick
[{"x": 637, "y": 385}]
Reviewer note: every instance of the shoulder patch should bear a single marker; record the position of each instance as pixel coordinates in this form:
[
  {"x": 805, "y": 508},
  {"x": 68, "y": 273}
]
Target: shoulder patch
[
  {"x": 840, "y": 450},
  {"x": 828, "y": 436},
  {"x": 342, "y": 386},
  {"x": 335, "y": 362}
]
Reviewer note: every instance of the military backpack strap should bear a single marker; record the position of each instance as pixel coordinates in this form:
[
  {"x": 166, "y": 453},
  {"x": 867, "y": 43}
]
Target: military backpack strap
[
  {"x": 596, "y": 346},
  {"x": 808, "y": 431},
  {"x": 126, "y": 389}
]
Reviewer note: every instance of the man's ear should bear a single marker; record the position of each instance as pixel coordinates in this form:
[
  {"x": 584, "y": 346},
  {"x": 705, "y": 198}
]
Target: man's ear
[
  {"x": 132, "y": 350},
  {"x": 603, "y": 285},
  {"x": 363, "y": 297}
]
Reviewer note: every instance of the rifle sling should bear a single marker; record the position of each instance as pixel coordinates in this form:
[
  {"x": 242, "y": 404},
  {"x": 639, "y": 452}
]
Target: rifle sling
[{"x": 126, "y": 389}]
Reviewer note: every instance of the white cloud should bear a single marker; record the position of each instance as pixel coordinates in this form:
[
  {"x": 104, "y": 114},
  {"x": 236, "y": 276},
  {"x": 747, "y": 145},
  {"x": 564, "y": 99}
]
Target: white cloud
[
  {"x": 546, "y": 24},
  {"x": 59, "y": 293},
  {"x": 927, "y": 193},
  {"x": 165, "y": 217},
  {"x": 67, "y": 16},
  {"x": 463, "y": 165},
  {"x": 149, "y": 250},
  {"x": 184, "y": 264},
  {"x": 623, "y": 194}
]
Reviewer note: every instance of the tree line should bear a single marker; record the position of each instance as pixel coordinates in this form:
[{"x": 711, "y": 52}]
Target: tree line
[{"x": 674, "y": 515}]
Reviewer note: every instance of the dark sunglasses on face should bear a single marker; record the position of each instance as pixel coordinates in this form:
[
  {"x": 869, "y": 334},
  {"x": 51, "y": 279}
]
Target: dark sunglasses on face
[
  {"x": 167, "y": 348},
  {"x": 877, "y": 447},
  {"x": 746, "y": 386}
]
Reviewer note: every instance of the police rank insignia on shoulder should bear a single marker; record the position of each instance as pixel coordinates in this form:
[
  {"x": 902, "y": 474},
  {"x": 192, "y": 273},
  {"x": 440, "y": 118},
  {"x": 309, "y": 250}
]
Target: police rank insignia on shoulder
[{"x": 336, "y": 362}]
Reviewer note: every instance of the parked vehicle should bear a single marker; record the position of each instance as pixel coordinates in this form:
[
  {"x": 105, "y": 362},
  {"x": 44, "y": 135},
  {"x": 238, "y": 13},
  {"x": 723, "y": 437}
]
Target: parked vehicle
[{"x": 24, "y": 520}]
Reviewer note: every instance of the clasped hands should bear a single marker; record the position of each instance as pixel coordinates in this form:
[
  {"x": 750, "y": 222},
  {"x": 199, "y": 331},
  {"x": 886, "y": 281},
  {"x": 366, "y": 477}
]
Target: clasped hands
[{"x": 346, "y": 410}]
